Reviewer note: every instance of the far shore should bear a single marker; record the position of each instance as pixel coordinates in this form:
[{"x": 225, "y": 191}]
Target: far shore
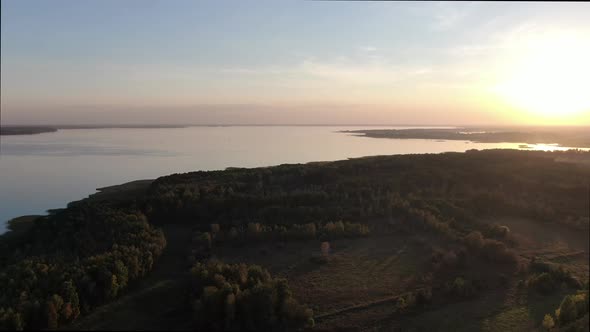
[
  {"x": 32, "y": 130},
  {"x": 572, "y": 137}
]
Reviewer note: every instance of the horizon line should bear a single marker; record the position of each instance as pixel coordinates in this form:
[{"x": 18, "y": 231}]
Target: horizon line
[{"x": 181, "y": 125}]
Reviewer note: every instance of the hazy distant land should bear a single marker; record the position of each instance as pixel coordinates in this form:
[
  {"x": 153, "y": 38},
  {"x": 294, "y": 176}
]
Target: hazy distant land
[
  {"x": 25, "y": 130},
  {"x": 31, "y": 130},
  {"x": 38, "y": 129},
  {"x": 569, "y": 137}
]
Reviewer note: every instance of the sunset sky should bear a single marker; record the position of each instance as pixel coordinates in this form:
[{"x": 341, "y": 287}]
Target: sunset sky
[{"x": 295, "y": 62}]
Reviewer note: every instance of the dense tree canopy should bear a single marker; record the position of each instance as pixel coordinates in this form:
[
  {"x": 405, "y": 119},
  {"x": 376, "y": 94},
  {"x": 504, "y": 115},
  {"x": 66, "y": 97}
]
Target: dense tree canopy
[
  {"x": 242, "y": 297},
  {"x": 449, "y": 185},
  {"x": 72, "y": 261}
]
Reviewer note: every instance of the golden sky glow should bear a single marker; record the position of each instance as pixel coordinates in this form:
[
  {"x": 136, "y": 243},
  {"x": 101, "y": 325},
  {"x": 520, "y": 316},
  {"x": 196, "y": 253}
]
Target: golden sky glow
[{"x": 549, "y": 80}]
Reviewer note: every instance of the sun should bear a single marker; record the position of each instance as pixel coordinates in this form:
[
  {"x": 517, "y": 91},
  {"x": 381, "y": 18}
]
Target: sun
[{"x": 550, "y": 79}]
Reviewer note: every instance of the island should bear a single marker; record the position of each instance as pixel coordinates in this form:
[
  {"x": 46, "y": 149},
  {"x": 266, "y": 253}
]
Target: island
[
  {"x": 573, "y": 137},
  {"x": 481, "y": 240}
]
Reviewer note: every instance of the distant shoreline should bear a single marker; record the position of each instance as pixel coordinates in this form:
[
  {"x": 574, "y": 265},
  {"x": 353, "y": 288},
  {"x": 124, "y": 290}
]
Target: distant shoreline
[
  {"x": 26, "y": 130},
  {"x": 563, "y": 136},
  {"x": 39, "y": 129},
  {"x": 13, "y": 130},
  {"x": 566, "y": 137},
  {"x": 32, "y": 130}
]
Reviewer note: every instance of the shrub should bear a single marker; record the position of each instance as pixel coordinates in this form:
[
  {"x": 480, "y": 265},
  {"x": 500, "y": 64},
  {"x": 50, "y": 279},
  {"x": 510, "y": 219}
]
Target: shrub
[
  {"x": 572, "y": 307},
  {"x": 544, "y": 283},
  {"x": 461, "y": 288},
  {"x": 497, "y": 251},
  {"x": 474, "y": 240},
  {"x": 548, "y": 322},
  {"x": 498, "y": 231},
  {"x": 567, "y": 311},
  {"x": 401, "y": 304},
  {"x": 557, "y": 272}
]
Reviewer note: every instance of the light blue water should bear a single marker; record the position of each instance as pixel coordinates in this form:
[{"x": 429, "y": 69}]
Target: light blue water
[{"x": 46, "y": 171}]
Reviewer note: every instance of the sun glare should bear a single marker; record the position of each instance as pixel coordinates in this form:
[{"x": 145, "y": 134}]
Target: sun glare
[{"x": 550, "y": 79}]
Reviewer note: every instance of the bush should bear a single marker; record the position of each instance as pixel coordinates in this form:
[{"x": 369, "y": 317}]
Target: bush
[
  {"x": 557, "y": 273},
  {"x": 461, "y": 288},
  {"x": 497, "y": 251},
  {"x": 572, "y": 308},
  {"x": 498, "y": 231},
  {"x": 490, "y": 249},
  {"x": 474, "y": 240},
  {"x": 567, "y": 311},
  {"x": 544, "y": 283},
  {"x": 548, "y": 322}
]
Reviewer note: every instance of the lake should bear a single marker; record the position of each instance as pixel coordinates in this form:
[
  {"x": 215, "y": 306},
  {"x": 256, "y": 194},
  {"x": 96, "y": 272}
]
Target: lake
[{"x": 46, "y": 171}]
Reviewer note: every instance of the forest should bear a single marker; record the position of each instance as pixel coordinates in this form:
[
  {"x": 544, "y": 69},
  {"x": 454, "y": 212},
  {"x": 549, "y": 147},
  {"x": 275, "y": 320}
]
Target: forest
[{"x": 261, "y": 238}]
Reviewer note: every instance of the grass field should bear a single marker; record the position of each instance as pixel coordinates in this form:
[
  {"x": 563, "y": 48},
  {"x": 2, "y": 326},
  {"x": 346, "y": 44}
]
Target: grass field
[
  {"x": 550, "y": 242},
  {"x": 359, "y": 271}
]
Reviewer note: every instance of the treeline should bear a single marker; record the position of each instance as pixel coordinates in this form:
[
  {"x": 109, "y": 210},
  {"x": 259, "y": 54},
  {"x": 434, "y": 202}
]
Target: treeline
[
  {"x": 461, "y": 230},
  {"x": 256, "y": 232},
  {"x": 72, "y": 261},
  {"x": 458, "y": 185},
  {"x": 244, "y": 297}
]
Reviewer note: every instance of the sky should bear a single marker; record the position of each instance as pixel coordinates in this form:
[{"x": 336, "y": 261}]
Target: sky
[{"x": 294, "y": 62}]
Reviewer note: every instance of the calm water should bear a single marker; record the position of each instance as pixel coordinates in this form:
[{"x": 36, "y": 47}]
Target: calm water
[{"x": 45, "y": 171}]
